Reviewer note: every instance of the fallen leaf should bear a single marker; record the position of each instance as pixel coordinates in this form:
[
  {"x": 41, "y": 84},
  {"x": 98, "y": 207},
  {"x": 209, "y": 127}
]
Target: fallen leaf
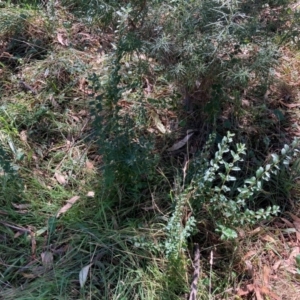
[
  {"x": 6, "y": 55},
  {"x": 211, "y": 261},
  {"x": 60, "y": 178},
  {"x": 159, "y": 125},
  {"x": 292, "y": 105},
  {"x": 249, "y": 270},
  {"x": 62, "y": 38},
  {"x": 33, "y": 244},
  {"x": 289, "y": 230},
  {"x": 276, "y": 265},
  {"x": 250, "y": 253},
  {"x": 250, "y": 287},
  {"x": 266, "y": 291},
  {"x": 245, "y": 103},
  {"x": 89, "y": 165},
  {"x": 243, "y": 291},
  {"x": 83, "y": 275},
  {"x": 181, "y": 143},
  {"x": 20, "y": 206},
  {"x": 266, "y": 95},
  {"x": 83, "y": 83},
  {"x": 258, "y": 294},
  {"x": 17, "y": 234},
  {"x": 83, "y": 113},
  {"x": 75, "y": 118},
  {"x": 41, "y": 231},
  {"x": 256, "y": 230},
  {"x": 241, "y": 233},
  {"x": 46, "y": 74},
  {"x": 47, "y": 259},
  {"x": 30, "y": 276},
  {"x": 294, "y": 253},
  {"x": 66, "y": 207},
  {"x": 53, "y": 101},
  {"x": 23, "y": 136},
  {"x": 268, "y": 238},
  {"x": 91, "y": 194},
  {"x": 124, "y": 103},
  {"x": 266, "y": 275},
  {"x": 148, "y": 89},
  {"x": 296, "y": 133},
  {"x": 21, "y": 229}
]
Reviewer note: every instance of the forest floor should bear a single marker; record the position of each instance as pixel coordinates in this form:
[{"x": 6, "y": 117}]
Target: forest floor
[{"x": 59, "y": 236}]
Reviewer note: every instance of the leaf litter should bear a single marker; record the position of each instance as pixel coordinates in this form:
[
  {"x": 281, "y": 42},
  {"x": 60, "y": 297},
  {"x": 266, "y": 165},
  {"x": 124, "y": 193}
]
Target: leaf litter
[{"x": 66, "y": 207}]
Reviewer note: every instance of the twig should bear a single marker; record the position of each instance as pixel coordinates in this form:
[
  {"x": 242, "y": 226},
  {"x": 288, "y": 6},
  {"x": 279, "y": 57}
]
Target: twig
[
  {"x": 193, "y": 294},
  {"x": 210, "y": 273},
  {"x": 22, "y": 229},
  {"x": 27, "y": 87}
]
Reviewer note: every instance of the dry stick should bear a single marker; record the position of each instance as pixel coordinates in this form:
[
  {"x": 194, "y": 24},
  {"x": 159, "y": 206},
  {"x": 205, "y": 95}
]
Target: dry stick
[
  {"x": 22, "y": 229},
  {"x": 210, "y": 273},
  {"x": 193, "y": 294},
  {"x": 27, "y": 87}
]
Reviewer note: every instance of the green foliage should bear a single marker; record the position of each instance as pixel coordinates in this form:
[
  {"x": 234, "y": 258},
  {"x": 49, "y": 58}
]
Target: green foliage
[
  {"x": 92, "y": 10},
  {"x": 10, "y": 183},
  {"x": 297, "y": 258},
  {"x": 178, "y": 234},
  {"x": 209, "y": 51},
  {"x": 227, "y": 203},
  {"x": 204, "y": 43},
  {"x": 22, "y": 38},
  {"x": 5, "y": 164},
  {"x": 212, "y": 189},
  {"x": 12, "y": 21},
  {"x": 127, "y": 151},
  {"x": 104, "y": 12}
]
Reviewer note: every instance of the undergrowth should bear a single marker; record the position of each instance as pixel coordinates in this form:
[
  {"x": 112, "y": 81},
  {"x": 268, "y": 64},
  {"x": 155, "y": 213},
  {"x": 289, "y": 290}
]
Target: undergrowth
[{"x": 131, "y": 131}]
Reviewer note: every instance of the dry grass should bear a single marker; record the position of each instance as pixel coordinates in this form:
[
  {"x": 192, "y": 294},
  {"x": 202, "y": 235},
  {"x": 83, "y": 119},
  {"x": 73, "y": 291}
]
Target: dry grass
[{"x": 269, "y": 261}]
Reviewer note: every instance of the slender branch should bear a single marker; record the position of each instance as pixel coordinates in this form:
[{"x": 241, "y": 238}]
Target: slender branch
[
  {"x": 27, "y": 87},
  {"x": 193, "y": 293}
]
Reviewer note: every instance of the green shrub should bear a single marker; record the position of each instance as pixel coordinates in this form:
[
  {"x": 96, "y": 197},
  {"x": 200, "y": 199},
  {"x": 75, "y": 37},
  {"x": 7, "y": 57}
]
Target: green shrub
[
  {"x": 127, "y": 148},
  {"x": 213, "y": 191},
  {"x": 211, "y": 50},
  {"x": 200, "y": 44}
]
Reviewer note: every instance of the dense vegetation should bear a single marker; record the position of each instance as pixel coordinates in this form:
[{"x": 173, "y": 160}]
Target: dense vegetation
[{"x": 148, "y": 148}]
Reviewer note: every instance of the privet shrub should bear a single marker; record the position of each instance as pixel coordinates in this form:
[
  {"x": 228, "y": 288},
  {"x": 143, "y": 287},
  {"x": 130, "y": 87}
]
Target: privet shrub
[{"x": 212, "y": 190}]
